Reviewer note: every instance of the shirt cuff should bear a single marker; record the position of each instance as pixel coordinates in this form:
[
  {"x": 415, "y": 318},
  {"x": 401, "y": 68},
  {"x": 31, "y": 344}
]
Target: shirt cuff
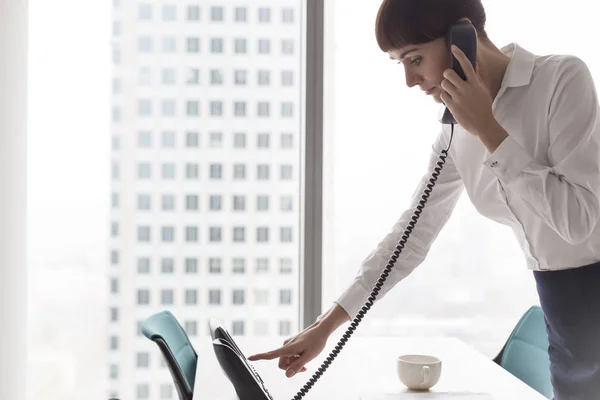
[
  {"x": 508, "y": 160},
  {"x": 353, "y": 299}
]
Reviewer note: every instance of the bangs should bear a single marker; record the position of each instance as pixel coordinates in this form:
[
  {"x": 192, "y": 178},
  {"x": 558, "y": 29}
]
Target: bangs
[{"x": 401, "y": 23}]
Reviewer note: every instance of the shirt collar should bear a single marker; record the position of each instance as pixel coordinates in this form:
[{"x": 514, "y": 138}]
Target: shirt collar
[{"x": 520, "y": 67}]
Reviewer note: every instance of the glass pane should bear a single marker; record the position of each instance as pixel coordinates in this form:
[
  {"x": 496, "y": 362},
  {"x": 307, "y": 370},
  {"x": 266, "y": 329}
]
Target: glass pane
[{"x": 474, "y": 283}]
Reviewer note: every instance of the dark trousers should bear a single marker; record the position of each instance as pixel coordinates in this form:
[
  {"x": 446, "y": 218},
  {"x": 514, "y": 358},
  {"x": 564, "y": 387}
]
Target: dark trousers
[{"x": 570, "y": 300}]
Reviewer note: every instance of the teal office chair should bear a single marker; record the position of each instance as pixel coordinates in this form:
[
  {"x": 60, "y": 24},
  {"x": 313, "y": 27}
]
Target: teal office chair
[
  {"x": 525, "y": 354},
  {"x": 181, "y": 358}
]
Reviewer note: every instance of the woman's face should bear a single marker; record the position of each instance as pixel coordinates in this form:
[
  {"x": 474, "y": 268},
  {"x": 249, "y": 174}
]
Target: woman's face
[{"x": 424, "y": 65}]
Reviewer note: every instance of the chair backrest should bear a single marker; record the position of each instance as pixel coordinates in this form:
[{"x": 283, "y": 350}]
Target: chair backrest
[
  {"x": 525, "y": 354},
  {"x": 181, "y": 358}
]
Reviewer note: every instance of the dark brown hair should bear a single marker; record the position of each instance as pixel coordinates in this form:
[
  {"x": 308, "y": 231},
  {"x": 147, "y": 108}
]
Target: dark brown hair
[{"x": 403, "y": 22}]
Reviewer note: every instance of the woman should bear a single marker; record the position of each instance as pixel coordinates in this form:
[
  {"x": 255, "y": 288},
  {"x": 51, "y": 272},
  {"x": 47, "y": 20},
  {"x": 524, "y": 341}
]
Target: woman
[{"x": 527, "y": 150}]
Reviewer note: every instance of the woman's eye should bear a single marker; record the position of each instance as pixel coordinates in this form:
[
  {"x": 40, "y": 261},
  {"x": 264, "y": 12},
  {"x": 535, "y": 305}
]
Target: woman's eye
[{"x": 416, "y": 61}]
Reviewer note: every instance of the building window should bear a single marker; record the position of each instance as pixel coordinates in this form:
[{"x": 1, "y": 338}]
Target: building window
[
  {"x": 287, "y": 110},
  {"x": 216, "y": 171},
  {"x": 239, "y": 77},
  {"x": 285, "y": 297},
  {"x": 168, "y": 76},
  {"x": 239, "y": 46},
  {"x": 191, "y": 328},
  {"x": 216, "y": 45},
  {"x": 144, "y": 12},
  {"x": 264, "y": 46},
  {"x": 143, "y": 265},
  {"x": 287, "y": 15},
  {"x": 168, "y": 202},
  {"x": 216, "y": 108},
  {"x": 214, "y": 234},
  {"x": 264, "y": 15},
  {"x": 262, "y": 141},
  {"x": 168, "y": 171},
  {"x": 143, "y": 297},
  {"x": 168, "y": 139},
  {"x": 145, "y": 44},
  {"x": 114, "y": 229},
  {"x": 143, "y": 391},
  {"x": 169, "y": 45},
  {"x": 144, "y": 107},
  {"x": 241, "y": 14},
  {"x": 285, "y": 235},
  {"x": 262, "y": 203},
  {"x": 214, "y": 265},
  {"x": 114, "y": 285},
  {"x": 239, "y": 203},
  {"x": 286, "y": 203},
  {"x": 285, "y": 266},
  {"x": 238, "y": 296},
  {"x": 193, "y": 76},
  {"x": 191, "y": 202},
  {"x": 144, "y": 170},
  {"x": 262, "y": 234},
  {"x": 239, "y": 172},
  {"x": 166, "y": 391},
  {"x": 285, "y": 173},
  {"x": 143, "y": 233},
  {"x": 114, "y": 371},
  {"x": 216, "y": 77},
  {"x": 193, "y": 45},
  {"x": 263, "y": 109},
  {"x": 262, "y": 172},
  {"x": 214, "y": 297},
  {"x": 167, "y": 265},
  {"x": 114, "y": 314},
  {"x": 193, "y": 13},
  {"x": 285, "y": 328},
  {"x": 239, "y": 234},
  {"x": 192, "y": 171},
  {"x": 114, "y": 257},
  {"x": 287, "y": 141},
  {"x": 239, "y": 109},
  {"x": 114, "y": 200},
  {"x": 168, "y": 234},
  {"x": 239, "y": 140},
  {"x": 168, "y": 108},
  {"x": 192, "y": 108},
  {"x": 144, "y": 76},
  {"x": 287, "y": 78},
  {"x": 262, "y": 265},
  {"x": 191, "y": 266},
  {"x": 215, "y": 202},
  {"x": 144, "y": 139},
  {"x": 191, "y": 234},
  {"x": 287, "y": 46},
  {"x": 169, "y": 12},
  {"x": 191, "y": 297},
  {"x": 167, "y": 297},
  {"x": 216, "y": 139},
  {"x": 264, "y": 78},
  {"x": 239, "y": 266},
  {"x": 216, "y": 13},
  {"x": 192, "y": 139}
]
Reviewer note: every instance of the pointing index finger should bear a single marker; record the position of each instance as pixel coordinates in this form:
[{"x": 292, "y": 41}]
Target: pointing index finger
[{"x": 269, "y": 355}]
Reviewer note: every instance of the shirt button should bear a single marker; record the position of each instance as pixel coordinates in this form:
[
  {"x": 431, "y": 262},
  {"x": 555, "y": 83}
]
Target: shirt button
[{"x": 494, "y": 163}]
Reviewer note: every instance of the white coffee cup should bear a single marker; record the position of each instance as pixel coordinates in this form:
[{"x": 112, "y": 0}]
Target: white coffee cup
[{"x": 418, "y": 371}]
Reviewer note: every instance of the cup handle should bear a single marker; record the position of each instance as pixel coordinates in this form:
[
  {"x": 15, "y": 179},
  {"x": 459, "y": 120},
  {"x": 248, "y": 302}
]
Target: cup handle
[{"x": 426, "y": 375}]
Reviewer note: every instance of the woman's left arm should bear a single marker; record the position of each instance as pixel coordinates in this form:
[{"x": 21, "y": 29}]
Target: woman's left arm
[{"x": 565, "y": 195}]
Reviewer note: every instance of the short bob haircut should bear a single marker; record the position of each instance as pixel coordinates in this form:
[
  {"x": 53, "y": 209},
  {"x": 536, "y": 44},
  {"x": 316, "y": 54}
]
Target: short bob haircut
[{"x": 411, "y": 22}]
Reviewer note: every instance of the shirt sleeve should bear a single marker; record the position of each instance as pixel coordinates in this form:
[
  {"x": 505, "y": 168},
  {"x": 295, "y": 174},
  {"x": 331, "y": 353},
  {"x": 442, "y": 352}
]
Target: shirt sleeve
[
  {"x": 564, "y": 194},
  {"x": 436, "y": 212}
]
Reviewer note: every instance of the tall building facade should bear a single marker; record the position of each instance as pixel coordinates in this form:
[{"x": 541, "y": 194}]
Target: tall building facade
[{"x": 205, "y": 188}]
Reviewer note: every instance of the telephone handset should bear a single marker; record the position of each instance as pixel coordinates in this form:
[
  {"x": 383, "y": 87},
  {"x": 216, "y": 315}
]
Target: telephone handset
[
  {"x": 464, "y": 36},
  {"x": 245, "y": 380}
]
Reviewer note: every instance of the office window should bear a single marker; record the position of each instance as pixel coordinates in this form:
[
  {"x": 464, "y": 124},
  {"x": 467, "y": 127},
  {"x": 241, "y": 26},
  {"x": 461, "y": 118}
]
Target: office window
[
  {"x": 144, "y": 107},
  {"x": 239, "y": 265},
  {"x": 285, "y": 173},
  {"x": 168, "y": 234},
  {"x": 287, "y": 46},
  {"x": 193, "y": 76},
  {"x": 262, "y": 265},
  {"x": 168, "y": 76},
  {"x": 214, "y": 234},
  {"x": 143, "y": 297},
  {"x": 191, "y": 202},
  {"x": 166, "y": 391},
  {"x": 215, "y": 202},
  {"x": 287, "y": 78},
  {"x": 116, "y": 114},
  {"x": 144, "y": 170},
  {"x": 287, "y": 109},
  {"x": 285, "y": 328},
  {"x": 216, "y": 139},
  {"x": 192, "y": 139},
  {"x": 239, "y": 203},
  {"x": 285, "y": 266},
  {"x": 216, "y": 171},
  {"x": 114, "y": 200},
  {"x": 216, "y": 45},
  {"x": 145, "y": 44},
  {"x": 114, "y": 343},
  {"x": 114, "y": 314},
  {"x": 214, "y": 265},
  {"x": 193, "y": 13},
  {"x": 263, "y": 109},
  {"x": 168, "y": 108},
  {"x": 216, "y": 108},
  {"x": 167, "y": 297},
  {"x": 239, "y": 234},
  {"x": 264, "y": 15},
  {"x": 116, "y": 143},
  {"x": 168, "y": 139},
  {"x": 264, "y": 77},
  {"x": 191, "y": 297},
  {"x": 239, "y": 77},
  {"x": 192, "y": 108},
  {"x": 261, "y": 297},
  {"x": 143, "y": 233},
  {"x": 114, "y": 285},
  {"x": 239, "y": 109},
  {"x": 287, "y": 141},
  {"x": 262, "y": 234},
  {"x": 192, "y": 171},
  {"x": 142, "y": 391},
  {"x": 143, "y": 265},
  {"x": 191, "y": 265},
  {"x": 264, "y": 46},
  {"x": 262, "y": 141},
  {"x": 114, "y": 229},
  {"x": 262, "y": 203},
  {"x": 239, "y": 46},
  {"x": 216, "y": 13},
  {"x": 144, "y": 139},
  {"x": 168, "y": 202},
  {"x": 286, "y": 203},
  {"x": 216, "y": 77},
  {"x": 285, "y": 235},
  {"x": 239, "y": 172},
  {"x": 144, "y": 12},
  {"x": 169, "y": 13},
  {"x": 262, "y": 172},
  {"x": 168, "y": 171},
  {"x": 144, "y": 76},
  {"x": 287, "y": 15},
  {"x": 285, "y": 297},
  {"x": 191, "y": 328},
  {"x": 192, "y": 45},
  {"x": 116, "y": 56},
  {"x": 169, "y": 45},
  {"x": 191, "y": 234},
  {"x": 214, "y": 297},
  {"x": 239, "y": 140},
  {"x": 167, "y": 265},
  {"x": 115, "y": 171},
  {"x": 240, "y": 14},
  {"x": 117, "y": 86},
  {"x": 114, "y": 257},
  {"x": 238, "y": 297}
]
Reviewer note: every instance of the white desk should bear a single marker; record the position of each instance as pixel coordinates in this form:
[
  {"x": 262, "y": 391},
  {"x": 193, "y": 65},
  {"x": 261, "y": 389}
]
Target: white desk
[{"x": 365, "y": 365}]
